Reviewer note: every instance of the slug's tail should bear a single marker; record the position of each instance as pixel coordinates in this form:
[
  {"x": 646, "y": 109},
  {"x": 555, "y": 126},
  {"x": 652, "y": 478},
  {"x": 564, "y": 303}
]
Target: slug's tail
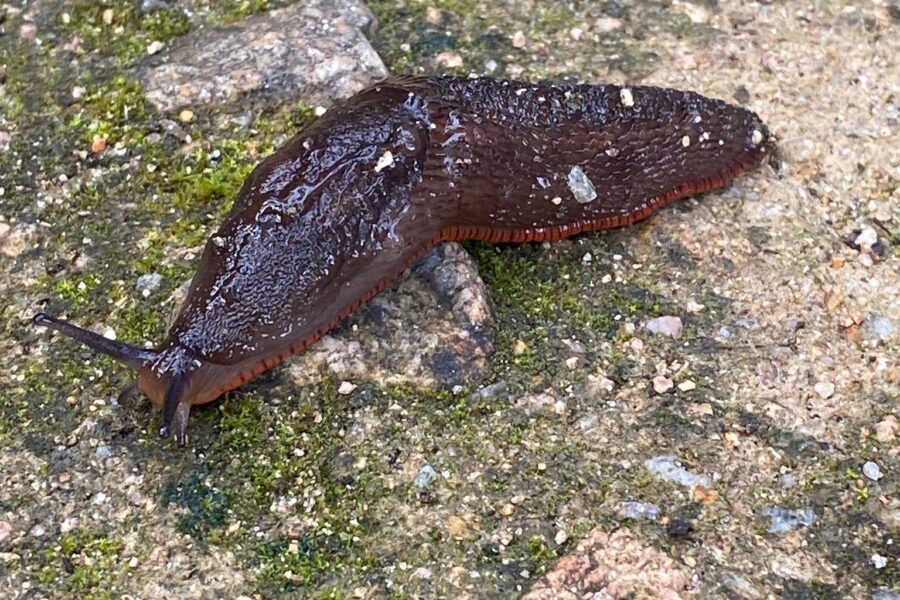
[{"x": 132, "y": 356}]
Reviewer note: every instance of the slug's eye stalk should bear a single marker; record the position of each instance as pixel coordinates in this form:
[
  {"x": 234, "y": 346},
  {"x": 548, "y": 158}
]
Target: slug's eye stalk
[
  {"x": 175, "y": 411},
  {"x": 132, "y": 356}
]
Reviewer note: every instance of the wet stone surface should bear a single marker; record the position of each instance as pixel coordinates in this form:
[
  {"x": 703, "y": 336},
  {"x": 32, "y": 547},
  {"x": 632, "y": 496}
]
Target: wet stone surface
[
  {"x": 704, "y": 405},
  {"x": 321, "y": 56}
]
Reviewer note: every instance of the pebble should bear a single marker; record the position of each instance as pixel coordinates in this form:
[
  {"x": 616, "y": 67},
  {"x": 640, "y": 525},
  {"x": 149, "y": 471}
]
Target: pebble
[
  {"x": 687, "y": 385},
  {"x": 872, "y": 471},
  {"x": 346, "y": 388},
  {"x": 148, "y": 6},
  {"x": 155, "y": 47},
  {"x": 456, "y": 526},
  {"x": 694, "y": 307},
  {"x": 665, "y": 325},
  {"x": 787, "y": 480},
  {"x": 103, "y": 452},
  {"x": 783, "y": 520},
  {"x": 639, "y": 510},
  {"x": 867, "y": 238},
  {"x": 881, "y": 326},
  {"x": 518, "y": 40},
  {"x": 607, "y": 24},
  {"x": 68, "y": 525},
  {"x": 679, "y": 528},
  {"x": 697, "y": 14},
  {"x": 749, "y": 323},
  {"x": 879, "y": 561},
  {"x": 507, "y": 510},
  {"x": 724, "y": 332},
  {"x": 38, "y": 530},
  {"x": 5, "y": 530},
  {"x": 28, "y": 32},
  {"x": 668, "y": 468},
  {"x": 449, "y": 60},
  {"x": 561, "y": 537},
  {"x": 425, "y": 477},
  {"x": 825, "y": 389},
  {"x": 662, "y": 384},
  {"x": 98, "y": 144},
  {"x": 886, "y": 429},
  {"x": 421, "y": 573},
  {"x": 147, "y": 284}
]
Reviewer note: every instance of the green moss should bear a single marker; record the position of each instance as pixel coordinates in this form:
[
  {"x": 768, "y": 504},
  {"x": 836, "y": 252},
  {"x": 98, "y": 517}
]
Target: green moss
[
  {"x": 541, "y": 553},
  {"x": 206, "y": 506},
  {"x": 118, "y": 28},
  {"x": 84, "y": 565}
]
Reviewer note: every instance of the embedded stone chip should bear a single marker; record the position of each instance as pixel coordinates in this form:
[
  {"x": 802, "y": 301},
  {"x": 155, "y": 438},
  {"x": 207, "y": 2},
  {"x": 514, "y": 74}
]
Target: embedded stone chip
[
  {"x": 581, "y": 186},
  {"x": 386, "y": 160},
  {"x": 626, "y": 97}
]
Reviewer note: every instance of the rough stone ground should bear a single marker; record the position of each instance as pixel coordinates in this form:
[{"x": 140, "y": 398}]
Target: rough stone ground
[{"x": 753, "y": 456}]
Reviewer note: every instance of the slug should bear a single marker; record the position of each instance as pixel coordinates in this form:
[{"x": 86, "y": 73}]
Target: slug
[{"x": 335, "y": 215}]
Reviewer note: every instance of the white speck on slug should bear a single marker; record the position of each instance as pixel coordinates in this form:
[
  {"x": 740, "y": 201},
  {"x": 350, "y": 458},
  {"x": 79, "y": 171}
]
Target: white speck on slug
[
  {"x": 756, "y": 137},
  {"x": 556, "y": 200},
  {"x": 581, "y": 186},
  {"x": 386, "y": 160},
  {"x": 686, "y": 141},
  {"x": 626, "y": 97}
]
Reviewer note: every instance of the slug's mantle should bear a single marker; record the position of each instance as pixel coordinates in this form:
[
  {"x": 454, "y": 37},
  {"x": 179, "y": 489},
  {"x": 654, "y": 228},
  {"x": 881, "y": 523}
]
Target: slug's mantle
[{"x": 338, "y": 212}]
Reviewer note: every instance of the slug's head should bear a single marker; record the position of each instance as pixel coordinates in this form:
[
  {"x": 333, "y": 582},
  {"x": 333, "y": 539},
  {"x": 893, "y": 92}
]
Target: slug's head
[{"x": 166, "y": 376}]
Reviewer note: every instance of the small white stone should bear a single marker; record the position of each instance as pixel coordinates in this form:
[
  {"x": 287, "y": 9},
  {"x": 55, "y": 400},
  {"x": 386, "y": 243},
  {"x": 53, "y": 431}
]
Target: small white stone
[
  {"x": 686, "y": 141},
  {"x": 386, "y": 160},
  {"x": 666, "y": 325},
  {"x": 825, "y": 389},
  {"x": 346, "y": 388},
  {"x": 694, "y": 307},
  {"x": 626, "y": 97},
  {"x": 662, "y": 384},
  {"x": 872, "y": 471},
  {"x": 556, "y": 200},
  {"x": 319, "y": 111},
  {"x": 879, "y": 561},
  {"x": 687, "y": 385},
  {"x": 109, "y": 333},
  {"x": 561, "y": 537},
  {"x": 581, "y": 186},
  {"x": 155, "y": 47},
  {"x": 867, "y": 238}
]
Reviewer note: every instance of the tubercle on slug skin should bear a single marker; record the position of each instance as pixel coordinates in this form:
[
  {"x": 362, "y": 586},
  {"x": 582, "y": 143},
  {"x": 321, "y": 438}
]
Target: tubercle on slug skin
[{"x": 335, "y": 215}]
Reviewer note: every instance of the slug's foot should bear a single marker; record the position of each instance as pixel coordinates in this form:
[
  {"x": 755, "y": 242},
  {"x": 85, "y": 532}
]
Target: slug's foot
[{"x": 178, "y": 425}]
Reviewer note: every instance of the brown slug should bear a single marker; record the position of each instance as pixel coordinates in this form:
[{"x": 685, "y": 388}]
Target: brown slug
[{"x": 338, "y": 212}]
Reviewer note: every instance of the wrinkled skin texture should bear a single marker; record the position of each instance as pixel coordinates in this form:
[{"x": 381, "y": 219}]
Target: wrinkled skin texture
[{"x": 342, "y": 209}]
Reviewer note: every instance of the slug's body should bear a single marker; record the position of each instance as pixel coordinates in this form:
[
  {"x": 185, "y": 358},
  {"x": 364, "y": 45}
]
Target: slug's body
[{"x": 342, "y": 209}]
